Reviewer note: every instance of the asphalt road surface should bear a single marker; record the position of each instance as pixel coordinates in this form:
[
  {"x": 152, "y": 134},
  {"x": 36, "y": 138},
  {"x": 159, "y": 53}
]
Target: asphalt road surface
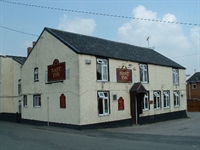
[{"x": 15, "y": 136}]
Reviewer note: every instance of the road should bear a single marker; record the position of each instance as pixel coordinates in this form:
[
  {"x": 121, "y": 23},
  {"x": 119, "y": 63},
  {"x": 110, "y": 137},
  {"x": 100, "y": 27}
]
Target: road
[{"x": 15, "y": 136}]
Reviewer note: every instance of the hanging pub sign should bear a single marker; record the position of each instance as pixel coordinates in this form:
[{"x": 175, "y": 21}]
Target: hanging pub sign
[
  {"x": 124, "y": 75},
  {"x": 56, "y": 72}
]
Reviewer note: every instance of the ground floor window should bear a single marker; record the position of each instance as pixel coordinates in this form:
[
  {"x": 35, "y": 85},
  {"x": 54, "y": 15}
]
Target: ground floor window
[
  {"x": 25, "y": 100},
  {"x": 146, "y": 101},
  {"x": 176, "y": 98},
  {"x": 103, "y": 103},
  {"x": 166, "y": 99},
  {"x": 157, "y": 100},
  {"x": 36, "y": 100}
]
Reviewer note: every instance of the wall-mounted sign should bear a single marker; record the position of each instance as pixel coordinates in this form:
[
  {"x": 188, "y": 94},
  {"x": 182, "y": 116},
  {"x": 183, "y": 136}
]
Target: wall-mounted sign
[
  {"x": 56, "y": 72},
  {"x": 120, "y": 103},
  {"x": 151, "y": 101},
  {"x": 124, "y": 75}
]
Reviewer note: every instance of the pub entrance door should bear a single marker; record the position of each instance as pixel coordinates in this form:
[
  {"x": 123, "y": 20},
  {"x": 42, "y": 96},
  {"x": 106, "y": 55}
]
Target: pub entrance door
[{"x": 137, "y": 93}]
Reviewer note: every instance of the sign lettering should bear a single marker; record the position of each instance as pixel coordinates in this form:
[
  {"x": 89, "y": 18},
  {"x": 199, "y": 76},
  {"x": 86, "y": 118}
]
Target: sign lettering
[
  {"x": 124, "y": 76},
  {"x": 56, "y": 71}
]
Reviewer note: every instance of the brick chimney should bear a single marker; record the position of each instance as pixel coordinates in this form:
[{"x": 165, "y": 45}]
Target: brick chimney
[{"x": 29, "y": 49}]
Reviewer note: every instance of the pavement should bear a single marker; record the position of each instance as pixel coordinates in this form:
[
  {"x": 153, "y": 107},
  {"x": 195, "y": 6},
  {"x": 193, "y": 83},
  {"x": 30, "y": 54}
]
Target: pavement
[
  {"x": 181, "y": 127},
  {"x": 187, "y": 127}
]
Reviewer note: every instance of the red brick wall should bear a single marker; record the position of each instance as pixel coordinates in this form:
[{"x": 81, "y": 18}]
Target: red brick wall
[{"x": 193, "y": 93}]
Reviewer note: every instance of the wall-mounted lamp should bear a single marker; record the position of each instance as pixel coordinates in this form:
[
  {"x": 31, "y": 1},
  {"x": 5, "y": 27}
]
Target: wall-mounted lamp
[
  {"x": 124, "y": 67},
  {"x": 134, "y": 68}
]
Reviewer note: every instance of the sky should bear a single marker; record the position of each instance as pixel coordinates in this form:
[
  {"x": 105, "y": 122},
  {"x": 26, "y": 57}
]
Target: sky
[{"x": 22, "y": 24}]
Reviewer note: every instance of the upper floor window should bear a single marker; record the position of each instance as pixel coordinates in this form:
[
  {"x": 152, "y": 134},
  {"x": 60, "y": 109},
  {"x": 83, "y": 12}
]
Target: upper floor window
[
  {"x": 36, "y": 74},
  {"x": 143, "y": 73},
  {"x": 175, "y": 76},
  {"x": 19, "y": 86},
  {"x": 146, "y": 101},
  {"x": 102, "y": 69},
  {"x": 25, "y": 100},
  {"x": 157, "y": 100},
  {"x": 176, "y": 98},
  {"x": 103, "y": 103},
  {"x": 194, "y": 86},
  {"x": 166, "y": 99},
  {"x": 36, "y": 100}
]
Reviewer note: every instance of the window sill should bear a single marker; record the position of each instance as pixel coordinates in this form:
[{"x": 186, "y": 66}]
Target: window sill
[
  {"x": 25, "y": 106},
  {"x": 176, "y": 106},
  {"x": 157, "y": 108},
  {"x": 37, "y": 106},
  {"x": 146, "y": 109},
  {"x": 101, "y": 115},
  {"x": 144, "y": 82},
  {"x": 36, "y": 80},
  {"x": 166, "y": 107}
]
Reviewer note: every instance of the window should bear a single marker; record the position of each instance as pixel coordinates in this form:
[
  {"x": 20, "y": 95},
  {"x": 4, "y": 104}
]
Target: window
[
  {"x": 103, "y": 103},
  {"x": 175, "y": 76},
  {"x": 194, "y": 86},
  {"x": 176, "y": 98},
  {"x": 19, "y": 86},
  {"x": 36, "y": 74},
  {"x": 102, "y": 70},
  {"x": 157, "y": 100},
  {"x": 146, "y": 101},
  {"x": 25, "y": 100},
  {"x": 36, "y": 100},
  {"x": 143, "y": 73},
  {"x": 166, "y": 99}
]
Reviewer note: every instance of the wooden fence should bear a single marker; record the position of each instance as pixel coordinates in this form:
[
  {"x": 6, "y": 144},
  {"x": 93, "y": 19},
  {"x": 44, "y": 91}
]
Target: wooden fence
[{"x": 193, "y": 105}]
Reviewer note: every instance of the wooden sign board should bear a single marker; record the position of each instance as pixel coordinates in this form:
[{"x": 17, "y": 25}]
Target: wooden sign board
[
  {"x": 124, "y": 75},
  {"x": 56, "y": 72}
]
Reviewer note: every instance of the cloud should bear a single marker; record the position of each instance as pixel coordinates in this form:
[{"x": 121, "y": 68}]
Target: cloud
[
  {"x": 168, "y": 39},
  {"x": 27, "y": 44},
  {"x": 77, "y": 25}
]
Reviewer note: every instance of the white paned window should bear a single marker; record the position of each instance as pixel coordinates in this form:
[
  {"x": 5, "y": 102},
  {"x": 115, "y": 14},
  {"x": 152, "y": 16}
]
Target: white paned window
[
  {"x": 103, "y": 103},
  {"x": 176, "y": 99},
  {"x": 157, "y": 100},
  {"x": 146, "y": 101},
  {"x": 175, "y": 76},
  {"x": 36, "y": 100},
  {"x": 102, "y": 69},
  {"x": 166, "y": 99},
  {"x": 194, "y": 86},
  {"x": 143, "y": 73},
  {"x": 36, "y": 74}
]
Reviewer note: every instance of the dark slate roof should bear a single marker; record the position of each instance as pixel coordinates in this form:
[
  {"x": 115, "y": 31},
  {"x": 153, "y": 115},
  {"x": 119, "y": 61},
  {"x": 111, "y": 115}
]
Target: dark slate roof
[
  {"x": 82, "y": 44},
  {"x": 18, "y": 59},
  {"x": 194, "y": 78}
]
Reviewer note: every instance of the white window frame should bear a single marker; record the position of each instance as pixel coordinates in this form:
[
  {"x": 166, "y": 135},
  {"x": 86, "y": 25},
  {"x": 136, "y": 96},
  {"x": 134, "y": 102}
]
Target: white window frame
[
  {"x": 36, "y": 100},
  {"x": 194, "y": 85},
  {"x": 176, "y": 98},
  {"x": 25, "y": 100},
  {"x": 157, "y": 100},
  {"x": 36, "y": 78},
  {"x": 175, "y": 76},
  {"x": 102, "y": 96},
  {"x": 146, "y": 101},
  {"x": 102, "y": 69},
  {"x": 144, "y": 73},
  {"x": 166, "y": 99}
]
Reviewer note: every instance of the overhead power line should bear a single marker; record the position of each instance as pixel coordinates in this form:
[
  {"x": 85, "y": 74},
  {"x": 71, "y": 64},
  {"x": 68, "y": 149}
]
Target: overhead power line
[
  {"x": 99, "y": 14},
  {"x": 18, "y": 31},
  {"x": 186, "y": 55}
]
